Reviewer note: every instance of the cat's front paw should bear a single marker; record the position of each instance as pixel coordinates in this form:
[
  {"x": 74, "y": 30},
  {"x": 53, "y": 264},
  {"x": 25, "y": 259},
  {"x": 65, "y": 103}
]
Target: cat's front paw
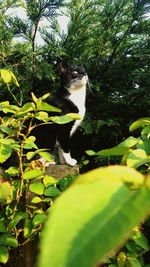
[
  {"x": 68, "y": 159},
  {"x": 71, "y": 162}
]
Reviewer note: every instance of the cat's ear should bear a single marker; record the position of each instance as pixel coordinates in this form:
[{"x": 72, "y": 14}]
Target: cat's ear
[{"x": 64, "y": 66}]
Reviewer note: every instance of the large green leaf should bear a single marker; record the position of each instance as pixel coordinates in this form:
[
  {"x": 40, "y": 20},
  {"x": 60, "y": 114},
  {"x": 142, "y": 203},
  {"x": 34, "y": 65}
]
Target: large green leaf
[{"x": 94, "y": 216}]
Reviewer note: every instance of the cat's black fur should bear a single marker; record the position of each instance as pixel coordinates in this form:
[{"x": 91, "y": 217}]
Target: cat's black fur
[{"x": 70, "y": 99}]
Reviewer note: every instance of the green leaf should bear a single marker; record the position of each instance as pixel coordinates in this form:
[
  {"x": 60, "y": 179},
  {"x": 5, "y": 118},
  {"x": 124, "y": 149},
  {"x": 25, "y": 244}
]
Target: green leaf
[
  {"x": 8, "y": 240},
  {"x": 129, "y": 142},
  {"x": 7, "y": 141},
  {"x": 39, "y": 219},
  {"x": 94, "y": 216},
  {"x": 14, "y": 78},
  {"x": 140, "y": 240},
  {"x": 115, "y": 151},
  {"x": 35, "y": 99},
  {"x": 6, "y": 76},
  {"x": 47, "y": 199},
  {"x": 17, "y": 218},
  {"x": 45, "y": 96},
  {"x": 12, "y": 171},
  {"x": 26, "y": 108},
  {"x": 90, "y": 153},
  {"x": 4, "y": 254},
  {"x": 30, "y": 155},
  {"x": 42, "y": 116},
  {"x": 37, "y": 188},
  {"x": 61, "y": 119},
  {"x": 119, "y": 150},
  {"x": 32, "y": 174},
  {"x": 146, "y": 133},
  {"x": 29, "y": 143},
  {"x": 46, "y": 107},
  {"x": 27, "y": 228},
  {"x": 131, "y": 246},
  {"x": 74, "y": 116},
  {"x": 4, "y": 105},
  {"x": 49, "y": 180},
  {"x": 139, "y": 124},
  {"x": 133, "y": 262},
  {"x": 36, "y": 200},
  {"x": 5, "y": 192},
  {"x": 47, "y": 156},
  {"x": 52, "y": 191},
  {"x": 137, "y": 158},
  {"x": 3, "y": 225},
  {"x": 7, "y": 130},
  {"x": 10, "y": 109}
]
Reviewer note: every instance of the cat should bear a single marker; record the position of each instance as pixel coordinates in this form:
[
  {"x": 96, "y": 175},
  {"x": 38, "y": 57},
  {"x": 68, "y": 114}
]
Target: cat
[{"x": 70, "y": 99}]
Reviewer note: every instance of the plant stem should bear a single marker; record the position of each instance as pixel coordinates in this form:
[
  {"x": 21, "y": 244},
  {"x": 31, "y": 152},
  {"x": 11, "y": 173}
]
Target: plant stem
[{"x": 13, "y": 95}]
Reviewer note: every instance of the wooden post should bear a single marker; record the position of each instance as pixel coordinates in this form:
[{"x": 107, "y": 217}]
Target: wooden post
[{"x": 61, "y": 171}]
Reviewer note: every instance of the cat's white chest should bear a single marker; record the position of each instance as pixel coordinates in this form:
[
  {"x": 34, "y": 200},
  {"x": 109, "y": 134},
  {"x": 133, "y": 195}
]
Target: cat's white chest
[{"x": 77, "y": 96}]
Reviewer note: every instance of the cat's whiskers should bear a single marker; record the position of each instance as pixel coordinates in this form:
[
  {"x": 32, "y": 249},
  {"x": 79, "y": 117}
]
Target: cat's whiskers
[{"x": 71, "y": 82}]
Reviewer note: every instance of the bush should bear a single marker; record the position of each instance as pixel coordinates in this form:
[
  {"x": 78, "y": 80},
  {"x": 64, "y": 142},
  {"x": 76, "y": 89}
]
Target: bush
[{"x": 24, "y": 186}]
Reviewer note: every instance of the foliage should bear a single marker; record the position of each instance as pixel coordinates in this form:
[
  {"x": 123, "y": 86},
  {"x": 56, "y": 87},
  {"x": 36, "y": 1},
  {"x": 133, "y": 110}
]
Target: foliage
[
  {"x": 113, "y": 204},
  {"x": 110, "y": 38},
  {"x": 135, "y": 152},
  {"x": 20, "y": 50},
  {"x": 22, "y": 217},
  {"x": 111, "y": 201}
]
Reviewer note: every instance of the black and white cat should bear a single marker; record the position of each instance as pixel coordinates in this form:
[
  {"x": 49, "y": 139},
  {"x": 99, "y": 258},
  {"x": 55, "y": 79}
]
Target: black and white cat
[{"x": 70, "y": 99}]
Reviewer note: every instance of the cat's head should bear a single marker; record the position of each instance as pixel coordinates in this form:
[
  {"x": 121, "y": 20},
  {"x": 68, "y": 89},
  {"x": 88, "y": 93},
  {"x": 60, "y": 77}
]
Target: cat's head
[{"x": 73, "y": 77}]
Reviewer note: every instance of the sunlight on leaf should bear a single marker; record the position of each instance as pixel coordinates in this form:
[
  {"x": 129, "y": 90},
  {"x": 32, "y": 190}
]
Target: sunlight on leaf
[{"x": 95, "y": 208}]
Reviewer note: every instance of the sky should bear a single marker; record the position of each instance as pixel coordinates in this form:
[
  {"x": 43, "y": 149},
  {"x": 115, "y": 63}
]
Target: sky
[{"x": 62, "y": 20}]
